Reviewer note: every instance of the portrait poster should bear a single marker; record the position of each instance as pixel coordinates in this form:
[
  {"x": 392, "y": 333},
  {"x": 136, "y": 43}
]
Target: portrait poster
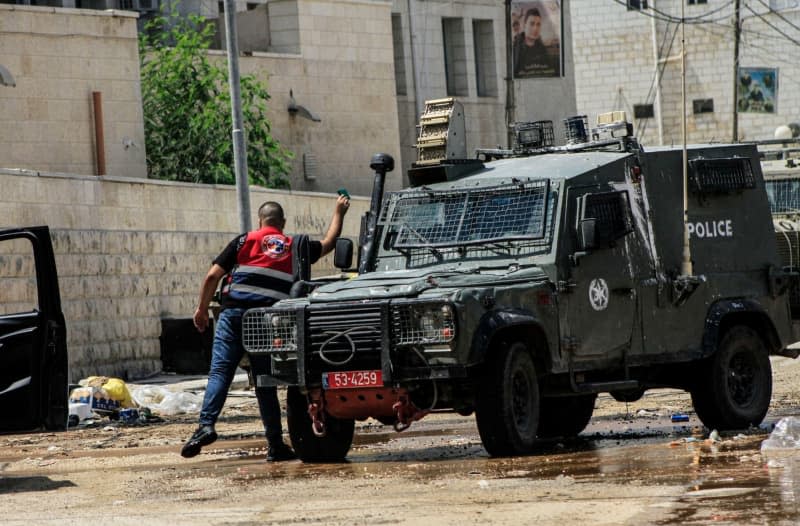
[
  {"x": 536, "y": 39},
  {"x": 757, "y": 90}
]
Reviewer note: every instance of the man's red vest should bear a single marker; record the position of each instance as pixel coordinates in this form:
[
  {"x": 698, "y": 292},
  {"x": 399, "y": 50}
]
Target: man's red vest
[{"x": 263, "y": 271}]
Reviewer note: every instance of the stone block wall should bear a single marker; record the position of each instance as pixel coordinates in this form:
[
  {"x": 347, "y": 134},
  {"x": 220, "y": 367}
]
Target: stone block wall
[
  {"x": 58, "y": 57},
  {"x": 131, "y": 252},
  {"x": 617, "y": 52},
  {"x": 343, "y": 72}
]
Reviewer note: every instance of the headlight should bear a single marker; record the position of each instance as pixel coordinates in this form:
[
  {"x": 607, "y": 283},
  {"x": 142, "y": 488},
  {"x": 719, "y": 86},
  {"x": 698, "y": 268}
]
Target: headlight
[
  {"x": 423, "y": 323},
  {"x": 269, "y": 331}
]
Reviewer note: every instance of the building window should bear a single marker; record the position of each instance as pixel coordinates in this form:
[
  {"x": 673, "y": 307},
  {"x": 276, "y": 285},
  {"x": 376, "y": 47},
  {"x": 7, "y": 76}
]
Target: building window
[
  {"x": 703, "y": 105},
  {"x": 693, "y": 2},
  {"x": 643, "y": 111},
  {"x": 399, "y": 56},
  {"x": 455, "y": 56},
  {"x": 636, "y": 5},
  {"x": 485, "y": 69}
]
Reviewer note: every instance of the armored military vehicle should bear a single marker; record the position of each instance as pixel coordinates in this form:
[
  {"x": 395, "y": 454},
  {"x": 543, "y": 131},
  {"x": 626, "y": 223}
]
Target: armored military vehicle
[
  {"x": 781, "y": 168},
  {"x": 520, "y": 284}
]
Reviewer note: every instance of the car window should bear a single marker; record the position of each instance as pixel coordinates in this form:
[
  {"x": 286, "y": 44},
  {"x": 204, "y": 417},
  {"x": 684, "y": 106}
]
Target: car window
[{"x": 18, "y": 277}]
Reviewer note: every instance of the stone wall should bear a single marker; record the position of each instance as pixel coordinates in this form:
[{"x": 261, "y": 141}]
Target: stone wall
[
  {"x": 133, "y": 251},
  {"x": 343, "y": 74},
  {"x": 618, "y": 51},
  {"x": 58, "y": 57},
  {"x": 335, "y": 56}
]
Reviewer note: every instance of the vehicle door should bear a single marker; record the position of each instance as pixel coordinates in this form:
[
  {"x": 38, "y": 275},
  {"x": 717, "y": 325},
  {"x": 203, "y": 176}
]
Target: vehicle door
[
  {"x": 33, "y": 352},
  {"x": 597, "y": 306}
]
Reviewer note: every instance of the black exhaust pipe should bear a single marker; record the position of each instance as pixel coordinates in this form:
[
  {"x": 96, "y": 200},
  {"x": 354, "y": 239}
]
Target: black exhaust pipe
[{"x": 381, "y": 163}]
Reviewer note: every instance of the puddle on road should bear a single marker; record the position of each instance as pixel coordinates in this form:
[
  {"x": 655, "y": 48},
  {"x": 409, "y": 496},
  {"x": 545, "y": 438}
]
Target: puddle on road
[{"x": 728, "y": 482}]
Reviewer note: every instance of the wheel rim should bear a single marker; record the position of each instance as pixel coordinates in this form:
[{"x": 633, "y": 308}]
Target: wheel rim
[
  {"x": 521, "y": 400},
  {"x": 742, "y": 379}
]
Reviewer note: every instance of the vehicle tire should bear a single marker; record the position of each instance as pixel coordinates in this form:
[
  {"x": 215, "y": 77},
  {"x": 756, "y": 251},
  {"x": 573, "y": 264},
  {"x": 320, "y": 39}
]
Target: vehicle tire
[
  {"x": 565, "y": 416},
  {"x": 735, "y": 386},
  {"x": 332, "y": 447},
  {"x": 507, "y": 405}
]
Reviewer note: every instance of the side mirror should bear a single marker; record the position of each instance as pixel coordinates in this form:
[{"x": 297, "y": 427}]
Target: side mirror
[
  {"x": 587, "y": 233},
  {"x": 343, "y": 254}
]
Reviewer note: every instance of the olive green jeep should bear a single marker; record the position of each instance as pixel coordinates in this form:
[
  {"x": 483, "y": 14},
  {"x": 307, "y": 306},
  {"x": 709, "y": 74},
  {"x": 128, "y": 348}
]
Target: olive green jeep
[{"x": 521, "y": 284}]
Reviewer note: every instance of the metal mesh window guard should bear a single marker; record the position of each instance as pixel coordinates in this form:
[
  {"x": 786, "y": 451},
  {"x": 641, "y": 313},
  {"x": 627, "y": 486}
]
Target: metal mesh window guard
[
  {"x": 612, "y": 212},
  {"x": 783, "y": 195},
  {"x": 266, "y": 330},
  {"x": 721, "y": 175},
  {"x": 422, "y": 324},
  {"x": 473, "y": 217}
]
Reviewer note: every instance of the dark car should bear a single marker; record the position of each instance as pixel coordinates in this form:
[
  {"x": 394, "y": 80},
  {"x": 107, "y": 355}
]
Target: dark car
[{"x": 33, "y": 350}]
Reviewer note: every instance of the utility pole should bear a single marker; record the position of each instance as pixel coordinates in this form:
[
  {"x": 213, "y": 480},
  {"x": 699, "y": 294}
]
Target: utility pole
[
  {"x": 237, "y": 133},
  {"x": 686, "y": 262},
  {"x": 411, "y": 7},
  {"x": 737, "y": 33},
  {"x": 510, "y": 102}
]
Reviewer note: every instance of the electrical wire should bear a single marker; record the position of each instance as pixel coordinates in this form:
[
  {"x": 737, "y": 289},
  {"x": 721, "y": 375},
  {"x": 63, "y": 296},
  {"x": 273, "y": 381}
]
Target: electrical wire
[
  {"x": 776, "y": 28},
  {"x": 777, "y": 13},
  {"x": 658, "y": 75},
  {"x": 666, "y": 17}
]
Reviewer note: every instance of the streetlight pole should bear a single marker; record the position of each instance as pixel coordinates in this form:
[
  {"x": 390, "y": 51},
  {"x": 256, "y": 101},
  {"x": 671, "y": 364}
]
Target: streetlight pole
[
  {"x": 237, "y": 133},
  {"x": 686, "y": 262},
  {"x": 737, "y": 33}
]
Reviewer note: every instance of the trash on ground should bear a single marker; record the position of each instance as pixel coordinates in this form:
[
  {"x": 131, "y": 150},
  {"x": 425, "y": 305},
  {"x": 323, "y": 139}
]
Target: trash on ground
[
  {"x": 785, "y": 438},
  {"x": 679, "y": 417},
  {"x": 114, "y": 388},
  {"x": 165, "y": 402},
  {"x": 95, "y": 397}
]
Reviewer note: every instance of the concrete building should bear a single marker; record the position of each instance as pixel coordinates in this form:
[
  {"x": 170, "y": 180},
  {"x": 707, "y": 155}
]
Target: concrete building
[
  {"x": 444, "y": 48},
  {"x": 334, "y": 56},
  {"x": 58, "y": 58},
  {"x": 622, "y": 52}
]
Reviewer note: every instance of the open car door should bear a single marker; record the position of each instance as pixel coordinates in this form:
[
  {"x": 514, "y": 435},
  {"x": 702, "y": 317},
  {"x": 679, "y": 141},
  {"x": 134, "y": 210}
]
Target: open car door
[{"x": 33, "y": 349}]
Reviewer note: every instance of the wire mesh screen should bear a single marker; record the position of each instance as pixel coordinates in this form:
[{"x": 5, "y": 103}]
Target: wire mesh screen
[
  {"x": 784, "y": 195},
  {"x": 459, "y": 218},
  {"x": 612, "y": 212},
  {"x": 721, "y": 175},
  {"x": 266, "y": 330},
  {"x": 422, "y": 323}
]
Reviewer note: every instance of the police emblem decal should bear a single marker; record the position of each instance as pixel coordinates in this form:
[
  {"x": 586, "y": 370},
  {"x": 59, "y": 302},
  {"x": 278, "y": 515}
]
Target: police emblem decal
[
  {"x": 274, "y": 246},
  {"x": 598, "y": 294}
]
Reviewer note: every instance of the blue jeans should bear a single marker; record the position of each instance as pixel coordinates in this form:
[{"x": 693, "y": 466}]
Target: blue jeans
[{"x": 226, "y": 353}]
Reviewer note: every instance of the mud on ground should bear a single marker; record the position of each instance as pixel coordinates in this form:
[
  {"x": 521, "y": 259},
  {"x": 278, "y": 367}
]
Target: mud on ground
[{"x": 631, "y": 466}]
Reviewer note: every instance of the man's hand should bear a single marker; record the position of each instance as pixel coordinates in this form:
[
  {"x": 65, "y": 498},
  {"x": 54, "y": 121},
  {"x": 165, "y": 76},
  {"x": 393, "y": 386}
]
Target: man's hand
[
  {"x": 201, "y": 319},
  {"x": 335, "y": 228},
  {"x": 342, "y": 205}
]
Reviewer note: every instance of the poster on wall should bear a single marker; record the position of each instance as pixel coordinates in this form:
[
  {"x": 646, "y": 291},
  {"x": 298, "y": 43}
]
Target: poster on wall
[
  {"x": 757, "y": 90},
  {"x": 536, "y": 39}
]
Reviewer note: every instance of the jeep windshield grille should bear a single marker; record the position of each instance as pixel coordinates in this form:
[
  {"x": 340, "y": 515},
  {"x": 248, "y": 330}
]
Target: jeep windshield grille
[
  {"x": 783, "y": 195},
  {"x": 485, "y": 216}
]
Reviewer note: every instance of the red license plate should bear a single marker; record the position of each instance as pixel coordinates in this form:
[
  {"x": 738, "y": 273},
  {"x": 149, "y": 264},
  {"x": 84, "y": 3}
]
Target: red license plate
[{"x": 352, "y": 379}]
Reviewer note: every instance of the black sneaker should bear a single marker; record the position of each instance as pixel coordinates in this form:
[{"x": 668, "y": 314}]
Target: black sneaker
[
  {"x": 204, "y": 436},
  {"x": 280, "y": 452}
]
